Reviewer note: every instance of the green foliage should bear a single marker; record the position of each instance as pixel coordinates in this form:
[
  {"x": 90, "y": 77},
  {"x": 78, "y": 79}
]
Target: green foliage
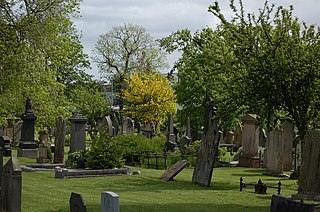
[
  {"x": 140, "y": 144},
  {"x": 75, "y": 157},
  {"x": 104, "y": 154}
]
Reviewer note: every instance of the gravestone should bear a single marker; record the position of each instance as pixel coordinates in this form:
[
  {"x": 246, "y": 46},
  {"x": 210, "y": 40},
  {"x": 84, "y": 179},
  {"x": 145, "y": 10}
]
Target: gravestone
[
  {"x": 174, "y": 170},
  {"x": 77, "y": 203},
  {"x": 60, "y": 136},
  {"x": 207, "y": 155},
  {"x": 309, "y": 180},
  {"x": 148, "y": 129},
  {"x": 17, "y": 126},
  {"x": 238, "y": 137},
  {"x": 5, "y": 145},
  {"x": 78, "y": 133},
  {"x": 288, "y": 137},
  {"x": 11, "y": 186},
  {"x": 273, "y": 153},
  {"x": 128, "y": 126},
  {"x": 109, "y": 202},
  {"x": 250, "y": 143},
  {"x": 27, "y": 146},
  {"x": 106, "y": 125},
  {"x": 171, "y": 137},
  {"x": 186, "y": 139},
  {"x": 283, "y": 204}
]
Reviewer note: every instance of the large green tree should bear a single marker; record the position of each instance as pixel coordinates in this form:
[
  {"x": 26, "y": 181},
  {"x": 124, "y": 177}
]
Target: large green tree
[
  {"x": 208, "y": 72},
  {"x": 40, "y": 54}
]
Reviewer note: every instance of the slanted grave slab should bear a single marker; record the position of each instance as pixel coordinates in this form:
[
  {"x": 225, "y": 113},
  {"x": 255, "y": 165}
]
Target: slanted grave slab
[
  {"x": 283, "y": 204},
  {"x": 174, "y": 170}
]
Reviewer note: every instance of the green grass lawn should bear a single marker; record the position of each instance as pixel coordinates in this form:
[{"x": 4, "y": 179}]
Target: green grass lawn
[{"x": 145, "y": 192}]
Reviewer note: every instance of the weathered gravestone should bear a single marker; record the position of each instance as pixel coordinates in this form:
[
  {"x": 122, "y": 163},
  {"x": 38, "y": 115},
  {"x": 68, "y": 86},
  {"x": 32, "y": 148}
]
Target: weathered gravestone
[
  {"x": 11, "y": 186},
  {"x": 109, "y": 202},
  {"x": 128, "y": 126},
  {"x": 238, "y": 137},
  {"x": 283, "y": 204},
  {"x": 78, "y": 133},
  {"x": 186, "y": 139},
  {"x": 250, "y": 143},
  {"x": 106, "y": 126},
  {"x": 309, "y": 180},
  {"x": 171, "y": 137},
  {"x": 77, "y": 203},
  {"x": 207, "y": 155},
  {"x": 288, "y": 136},
  {"x": 60, "y": 135},
  {"x": 5, "y": 145},
  {"x": 273, "y": 153},
  {"x": 27, "y": 146},
  {"x": 17, "y": 126},
  {"x": 148, "y": 129},
  {"x": 174, "y": 170}
]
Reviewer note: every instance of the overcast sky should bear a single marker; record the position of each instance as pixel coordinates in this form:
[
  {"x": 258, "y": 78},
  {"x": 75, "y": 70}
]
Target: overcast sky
[{"x": 162, "y": 17}]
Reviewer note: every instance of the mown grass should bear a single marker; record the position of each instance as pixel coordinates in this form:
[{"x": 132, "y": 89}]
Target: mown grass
[{"x": 145, "y": 192}]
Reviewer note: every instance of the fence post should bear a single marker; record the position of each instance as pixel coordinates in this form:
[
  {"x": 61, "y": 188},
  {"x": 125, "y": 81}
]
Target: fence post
[
  {"x": 279, "y": 187},
  {"x": 165, "y": 160},
  {"x": 241, "y": 184},
  {"x": 156, "y": 156},
  {"x": 148, "y": 157}
]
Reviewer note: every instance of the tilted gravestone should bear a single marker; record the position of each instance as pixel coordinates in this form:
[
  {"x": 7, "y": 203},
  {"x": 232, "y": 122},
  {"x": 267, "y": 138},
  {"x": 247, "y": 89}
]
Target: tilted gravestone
[
  {"x": 77, "y": 203},
  {"x": 174, "y": 170},
  {"x": 60, "y": 136},
  {"x": 109, "y": 202},
  {"x": 78, "y": 133},
  {"x": 128, "y": 126},
  {"x": 207, "y": 155},
  {"x": 283, "y": 204},
  {"x": 11, "y": 186}
]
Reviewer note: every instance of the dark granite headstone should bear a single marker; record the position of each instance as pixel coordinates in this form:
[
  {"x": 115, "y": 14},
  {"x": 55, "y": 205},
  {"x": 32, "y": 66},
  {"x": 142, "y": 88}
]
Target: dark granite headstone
[
  {"x": 78, "y": 133},
  {"x": 60, "y": 136},
  {"x": 77, "y": 203},
  {"x": 5, "y": 144},
  {"x": 207, "y": 155},
  {"x": 174, "y": 170},
  {"x": 11, "y": 186},
  {"x": 283, "y": 204}
]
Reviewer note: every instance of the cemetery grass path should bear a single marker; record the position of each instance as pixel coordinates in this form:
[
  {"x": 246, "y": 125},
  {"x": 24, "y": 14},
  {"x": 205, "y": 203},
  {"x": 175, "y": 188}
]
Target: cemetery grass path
[{"x": 145, "y": 192}]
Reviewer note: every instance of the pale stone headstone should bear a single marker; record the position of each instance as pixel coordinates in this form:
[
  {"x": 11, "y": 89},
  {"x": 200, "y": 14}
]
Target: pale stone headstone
[
  {"x": 174, "y": 170},
  {"x": 60, "y": 135},
  {"x": 288, "y": 137},
  {"x": 11, "y": 186},
  {"x": 309, "y": 180},
  {"x": 207, "y": 154},
  {"x": 77, "y": 203},
  {"x": 107, "y": 125},
  {"x": 250, "y": 143},
  {"x": 273, "y": 153},
  {"x": 109, "y": 202},
  {"x": 78, "y": 133},
  {"x": 128, "y": 126},
  {"x": 16, "y": 133}
]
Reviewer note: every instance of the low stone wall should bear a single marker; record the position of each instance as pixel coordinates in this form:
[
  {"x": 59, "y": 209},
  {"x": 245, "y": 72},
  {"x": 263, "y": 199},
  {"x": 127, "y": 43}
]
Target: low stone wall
[{"x": 63, "y": 173}]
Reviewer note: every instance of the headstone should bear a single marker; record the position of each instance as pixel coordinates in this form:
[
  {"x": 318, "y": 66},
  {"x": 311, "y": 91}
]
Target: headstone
[
  {"x": 171, "y": 137},
  {"x": 288, "y": 137},
  {"x": 11, "y": 186},
  {"x": 17, "y": 126},
  {"x": 60, "y": 136},
  {"x": 9, "y": 128},
  {"x": 174, "y": 170},
  {"x": 207, "y": 154},
  {"x": 283, "y": 204},
  {"x": 77, "y": 203},
  {"x": 27, "y": 145},
  {"x": 148, "y": 129},
  {"x": 106, "y": 125},
  {"x": 78, "y": 133},
  {"x": 238, "y": 137},
  {"x": 273, "y": 153},
  {"x": 5, "y": 145},
  {"x": 250, "y": 143},
  {"x": 309, "y": 180},
  {"x": 186, "y": 139},
  {"x": 109, "y": 202},
  {"x": 128, "y": 126},
  {"x": 262, "y": 138},
  {"x": 3, "y": 130}
]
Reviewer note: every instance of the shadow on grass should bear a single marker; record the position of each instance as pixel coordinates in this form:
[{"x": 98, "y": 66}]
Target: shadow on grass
[{"x": 177, "y": 207}]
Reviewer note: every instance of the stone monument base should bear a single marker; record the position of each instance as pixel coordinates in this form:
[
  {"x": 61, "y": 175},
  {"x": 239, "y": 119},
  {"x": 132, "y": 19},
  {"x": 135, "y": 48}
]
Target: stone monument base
[
  {"x": 312, "y": 197},
  {"x": 28, "y": 153},
  {"x": 250, "y": 162}
]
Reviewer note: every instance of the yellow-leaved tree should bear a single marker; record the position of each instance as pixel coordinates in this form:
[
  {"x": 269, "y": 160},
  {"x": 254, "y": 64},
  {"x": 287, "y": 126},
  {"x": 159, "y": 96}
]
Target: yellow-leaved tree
[{"x": 149, "y": 98}]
